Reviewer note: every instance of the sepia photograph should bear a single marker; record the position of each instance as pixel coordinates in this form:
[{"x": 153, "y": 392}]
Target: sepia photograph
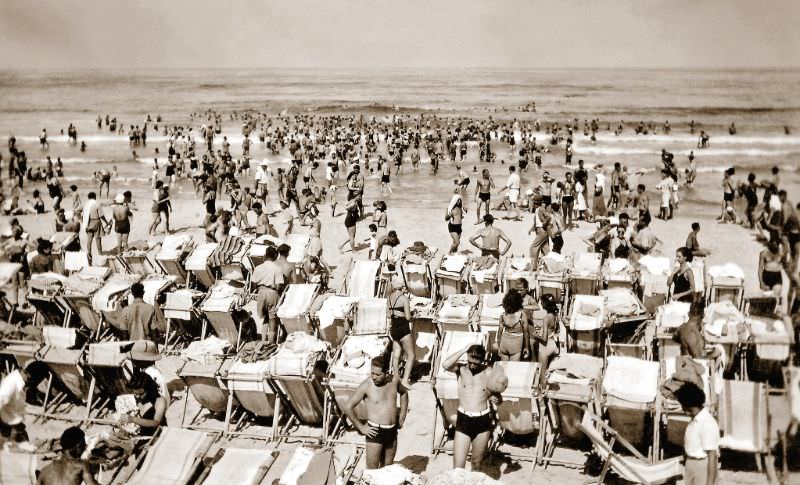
[{"x": 374, "y": 242}]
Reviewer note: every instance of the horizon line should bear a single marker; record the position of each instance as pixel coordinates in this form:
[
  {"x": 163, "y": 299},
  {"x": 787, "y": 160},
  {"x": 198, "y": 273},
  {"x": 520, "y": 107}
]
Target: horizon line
[{"x": 408, "y": 68}]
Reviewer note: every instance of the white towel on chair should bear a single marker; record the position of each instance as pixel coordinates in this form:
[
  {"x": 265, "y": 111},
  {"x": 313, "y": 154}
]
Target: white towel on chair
[
  {"x": 334, "y": 306},
  {"x": 297, "y": 301},
  {"x": 362, "y": 279},
  {"x": 631, "y": 379},
  {"x": 75, "y": 260}
]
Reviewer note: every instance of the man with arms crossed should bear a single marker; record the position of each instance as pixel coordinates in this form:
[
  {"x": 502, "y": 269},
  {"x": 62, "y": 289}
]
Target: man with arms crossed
[
  {"x": 490, "y": 245},
  {"x": 379, "y": 393},
  {"x": 474, "y": 423}
]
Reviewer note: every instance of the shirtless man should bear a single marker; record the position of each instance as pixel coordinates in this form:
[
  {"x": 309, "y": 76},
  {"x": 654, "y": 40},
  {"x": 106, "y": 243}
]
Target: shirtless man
[
  {"x": 68, "y": 469},
  {"x": 104, "y": 180},
  {"x": 379, "y": 393},
  {"x": 483, "y": 193},
  {"x": 490, "y": 245},
  {"x": 474, "y": 420}
]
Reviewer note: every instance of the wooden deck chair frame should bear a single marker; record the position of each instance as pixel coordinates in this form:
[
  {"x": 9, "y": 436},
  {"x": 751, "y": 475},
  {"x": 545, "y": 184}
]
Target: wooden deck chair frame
[
  {"x": 55, "y": 399},
  {"x": 286, "y": 412},
  {"x": 537, "y": 401},
  {"x": 138, "y": 264},
  {"x": 211, "y": 438},
  {"x": 429, "y": 276},
  {"x": 550, "y": 431},
  {"x": 608, "y": 448},
  {"x": 194, "y": 422},
  {"x": 101, "y": 393}
]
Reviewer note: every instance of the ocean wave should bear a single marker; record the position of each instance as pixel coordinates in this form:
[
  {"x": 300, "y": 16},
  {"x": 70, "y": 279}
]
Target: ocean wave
[
  {"x": 706, "y": 152},
  {"x": 715, "y": 140}
]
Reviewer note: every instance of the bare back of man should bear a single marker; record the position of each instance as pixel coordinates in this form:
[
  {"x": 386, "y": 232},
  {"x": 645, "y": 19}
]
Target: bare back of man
[{"x": 66, "y": 471}]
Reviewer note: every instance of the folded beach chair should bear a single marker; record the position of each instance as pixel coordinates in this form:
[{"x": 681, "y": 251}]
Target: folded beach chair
[
  {"x": 350, "y": 366},
  {"x": 293, "y": 373},
  {"x": 585, "y": 275},
  {"x": 573, "y": 385},
  {"x": 519, "y": 413},
  {"x": 205, "y": 382},
  {"x": 363, "y": 280},
  {"x": 725, "y": 282},
  {"x": 631, "y": 400},
  {"x": 371, "y": 317},
  {"x": 452, "y": 275},
  {"x": 240, "y": 466},
  {"x": 619, "y": 273},
  {"x": 18, "y": 468},
  {"x": 248, "y": 387},
  {"x": 334, "y": 316},
  {"x": 294, "y": 308},
  {"x": 418, "y": 273},
  {"x": 445, "y": 386},
  {"x": 174, "y": 457},
  {"x": 636, "y": 468},
  {"x": 514, "y": 268},
  {"x": 172, "y": 255},
  {"x": 553, "y": 277},
  {"x": 456, "y": 312},
  {"x": 198, "y": 268},
  {"x": 484, "y": 275},
  {"x": 587, "y": 321}
]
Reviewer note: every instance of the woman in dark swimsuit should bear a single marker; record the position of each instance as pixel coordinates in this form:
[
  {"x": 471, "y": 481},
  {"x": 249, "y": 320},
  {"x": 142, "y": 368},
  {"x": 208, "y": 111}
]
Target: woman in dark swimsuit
[
  {"x": 769, "y": 268},
  {"x": 483, "y": 192},
  {"x": 350, "y": 221},
  {"x": 682, "y": 278},
  {"x": 455, "y": 217},
  {"x": 400, "y": 330}
]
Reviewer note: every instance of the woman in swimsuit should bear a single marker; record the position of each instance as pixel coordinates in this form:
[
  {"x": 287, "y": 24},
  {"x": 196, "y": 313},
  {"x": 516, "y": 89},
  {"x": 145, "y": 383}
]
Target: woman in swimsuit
[
  {"x": 512, "y": 334},
  {"x": 400, "y": 329},
  {"x": 682, "y": 277},
  {"x": 769, "y": 269},
  {"x": 544, "y": 332},
  {"x": 483, "y": 193},
  {"x": 350, "y": 221},
  {"x": 455, "y": 217}
]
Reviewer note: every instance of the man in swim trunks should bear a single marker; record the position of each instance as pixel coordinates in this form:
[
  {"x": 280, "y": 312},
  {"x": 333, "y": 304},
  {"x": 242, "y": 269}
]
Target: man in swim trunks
[
  {"x": 379, "y": 393},
  {"x": 474, "y": 423},
  {"x": 483, "y": 193},
  {"x": 490, "y": 245},
  {"x": 122, "y": 222}
]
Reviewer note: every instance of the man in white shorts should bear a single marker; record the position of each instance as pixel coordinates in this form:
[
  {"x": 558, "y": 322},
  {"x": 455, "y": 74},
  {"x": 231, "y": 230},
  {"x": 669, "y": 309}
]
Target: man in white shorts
[{"x": 512, "y": 186}]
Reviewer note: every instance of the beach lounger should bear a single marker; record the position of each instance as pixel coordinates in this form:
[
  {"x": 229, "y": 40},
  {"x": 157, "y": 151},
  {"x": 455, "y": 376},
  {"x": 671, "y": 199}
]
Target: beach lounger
[
  {"x": 725, "y": 282},
  {"x": 241, "y": 466},
  {"x": 137, "y": 261},
  {"x": 363, "y": 280},
  {"x": 489, "y": 312},
  {"x": 518, "y": 413},
  {"x": 218, "y": 306},
  {"x": 247, "y": 383},
  {"x": 110, "y": 300},
  {"x": 205, "y": 383},
  {"x": 103, "y": 363},
  {"x": 372, "y": 317},
  {"x": 172, "y": 255},
  {"x": 18, "y": 468},
  {"x": 350, "y": 366},
  {"x": 553, "y": 277},
  {"x": 585, "y": 275},
  {"x": 44, "y": 293},
  {"x": 418, "y": 273},
  {"x": 318, "y": 465},
  {"x": 631, "y": 400},
  {"x": 619, "y": 273},
  {"x": 573, "y": 385},
  {"x": 769, "y": 348},
  {"x": 653, "y": 275},
  {"x": 484, "y": 275},
  {"x": 174, "y": 457},
  {"x": 515, "y": 268},
  {"x": 66, "y": 385},
  {"x": 627, "y": 329},
  {"x": 587, "y": 320},
  {"x": 445, "y": 386},
  {"x": 456, "y": 312},
  {"x": 198, "y": 268},
  {"x": 636, "y": 468},
  {"x": 294, "y": 308},
  {"x": 334, "y": 316},
  {"x": 296, "y": 381},
  {"x": 452, "y": 275},
  {"x": 675, "y": 419},
  {"x": 183, "y": 317}
]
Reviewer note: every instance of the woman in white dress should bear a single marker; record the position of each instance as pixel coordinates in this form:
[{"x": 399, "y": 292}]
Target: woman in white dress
[{"x": 580, "y": 202}]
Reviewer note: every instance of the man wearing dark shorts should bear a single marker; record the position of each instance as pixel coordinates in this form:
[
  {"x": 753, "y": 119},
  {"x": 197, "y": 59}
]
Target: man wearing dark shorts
[
  {"x": 122, "y": 222},
  {"x": 379, "y": 393},
  {"x": 491, "y": 237}
]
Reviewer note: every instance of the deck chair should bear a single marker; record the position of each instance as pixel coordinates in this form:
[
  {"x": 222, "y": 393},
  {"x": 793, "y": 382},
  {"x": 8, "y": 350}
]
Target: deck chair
[
  {"x": 673, "y": 415},
  {"x": 18, "y": 468},
  {"x": 515, "y": 268},
  {"x": 725, "y": 282},
  {"x": 205, "y": 383},
  {"x": 350, "y": 365},
  {"x": 573, "y": 385},
  {"x": 294, "y": 308},
  {"x": 618, "y": 273},
  {"x": 636, "y": 468},
  {"x": 585, "y": 274},
  {"x": 553, "y": 277},
  {"x": 104, "y": 363},
  {"x": 485, "y": 281},
  {"x": 66, "y": 385},
  {"x": 220, "y": 302},
  {"x": 417, "y": 273},
  {"x": 335, "y": 316},
  {"x": 744, "y": 419},
  {"x": 363, "y": 280},
  {"x": 197, "y": 265},
  {"x": 174, "y": 457},
  {"x": 247, "y": 383},
  {"x": 587, "y": 321},
  {"x": 240, "y": 466},
  {"x": 452, "y": 275},
  {"x": 183, "y": 316},
  {"x": 372, "y": 317},
  {"x": 519, "y": 413},
  {"x": 456, "y": 313},
  {"x": 631, "y": 399}
]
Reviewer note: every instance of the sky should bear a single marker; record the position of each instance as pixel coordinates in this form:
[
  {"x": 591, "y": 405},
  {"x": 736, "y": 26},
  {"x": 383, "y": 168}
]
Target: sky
[{"x": 535, "y": 34}]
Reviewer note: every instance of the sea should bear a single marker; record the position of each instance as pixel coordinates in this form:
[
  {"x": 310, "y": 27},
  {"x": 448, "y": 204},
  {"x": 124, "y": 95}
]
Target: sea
[{"x": 763, "y": 104}]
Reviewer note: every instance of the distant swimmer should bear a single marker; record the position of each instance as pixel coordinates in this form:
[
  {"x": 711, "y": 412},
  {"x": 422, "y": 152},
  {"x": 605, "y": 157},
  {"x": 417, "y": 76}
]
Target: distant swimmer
[
  {"x": 691, "y": 172},
  {"x": 732, "y": 129}
]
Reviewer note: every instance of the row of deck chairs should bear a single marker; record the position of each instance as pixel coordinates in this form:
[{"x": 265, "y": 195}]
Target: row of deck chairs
[{"x": 176, "y": 456}]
